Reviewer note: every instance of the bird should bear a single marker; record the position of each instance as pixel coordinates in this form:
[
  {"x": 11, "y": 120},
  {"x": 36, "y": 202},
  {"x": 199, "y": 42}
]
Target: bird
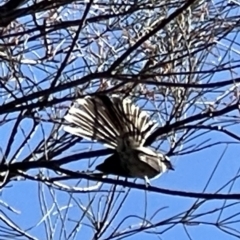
[{"x": 120, "y": 125}]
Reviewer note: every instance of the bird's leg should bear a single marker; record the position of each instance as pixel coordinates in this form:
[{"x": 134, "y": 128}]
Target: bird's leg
[{"x": 147, "y": 181}]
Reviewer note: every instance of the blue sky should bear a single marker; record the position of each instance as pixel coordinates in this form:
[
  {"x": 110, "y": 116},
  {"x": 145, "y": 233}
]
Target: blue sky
[{"x": 39, "y": 206}]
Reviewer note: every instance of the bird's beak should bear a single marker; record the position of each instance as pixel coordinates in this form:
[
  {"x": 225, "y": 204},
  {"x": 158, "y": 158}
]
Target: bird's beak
[{"x": 169, "y": 165}]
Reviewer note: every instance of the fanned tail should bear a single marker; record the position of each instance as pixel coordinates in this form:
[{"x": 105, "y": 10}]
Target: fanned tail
[
  {"x": 106, "y": 120},
  {"x": 89, "y": 118},
  {"x": 136, "y": 122}
]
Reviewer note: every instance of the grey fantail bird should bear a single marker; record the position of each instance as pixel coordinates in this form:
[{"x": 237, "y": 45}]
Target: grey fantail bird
[{"x": 122, "y": 126}]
